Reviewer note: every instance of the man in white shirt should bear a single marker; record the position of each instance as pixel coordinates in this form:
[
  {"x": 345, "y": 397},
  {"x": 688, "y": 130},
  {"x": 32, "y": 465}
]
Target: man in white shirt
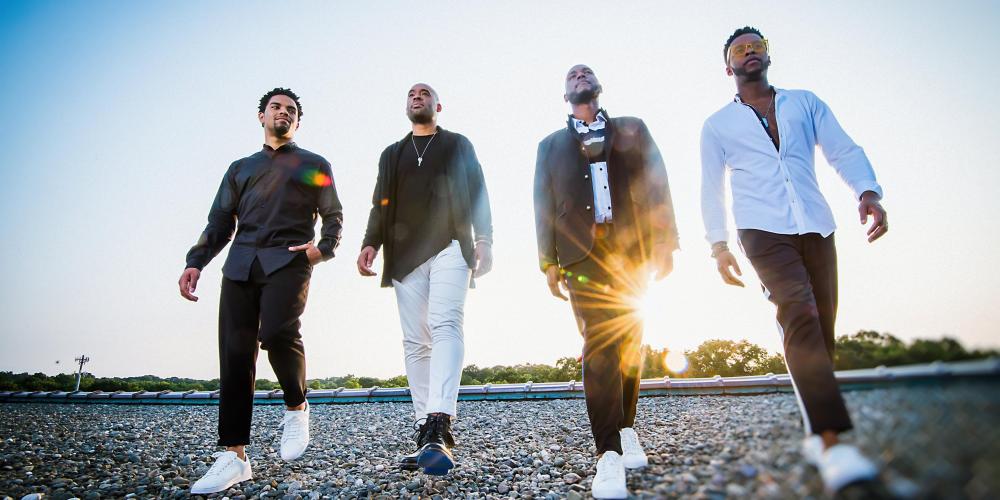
[{"x": 766, "y": 139}]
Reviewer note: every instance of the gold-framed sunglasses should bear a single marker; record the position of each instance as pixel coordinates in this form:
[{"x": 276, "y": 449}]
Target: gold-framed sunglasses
[{"x": 739, "y": 51}]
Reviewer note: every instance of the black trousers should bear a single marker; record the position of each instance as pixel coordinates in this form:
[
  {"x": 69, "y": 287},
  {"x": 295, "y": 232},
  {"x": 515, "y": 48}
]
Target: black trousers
[
  {"x": 263, "y": 310},
  {"x": 799, "y": 275},
  {"x": 604, "y": 290}
]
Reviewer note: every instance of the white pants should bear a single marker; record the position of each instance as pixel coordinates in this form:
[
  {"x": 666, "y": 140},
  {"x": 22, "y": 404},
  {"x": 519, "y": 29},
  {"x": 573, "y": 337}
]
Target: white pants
[{"x": 431, "y": 302}]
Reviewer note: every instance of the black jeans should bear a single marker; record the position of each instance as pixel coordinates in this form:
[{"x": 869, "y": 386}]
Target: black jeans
[
  {"x": 265, "y": 310},
  {"x": 799, "y": 275},
  {"x": 604, "y": 290}
]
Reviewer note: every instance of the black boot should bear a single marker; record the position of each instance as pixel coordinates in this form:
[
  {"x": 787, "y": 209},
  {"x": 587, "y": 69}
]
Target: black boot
[
  {"x": 409, "y": 462},
  {"x": 435, "y": 454}
]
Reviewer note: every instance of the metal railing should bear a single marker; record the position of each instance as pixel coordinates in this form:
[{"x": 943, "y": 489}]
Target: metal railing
[{"x": 759, "y": 384}]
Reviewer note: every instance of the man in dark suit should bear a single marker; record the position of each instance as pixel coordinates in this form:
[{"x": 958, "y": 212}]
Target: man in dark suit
[
  {"x": 271, "y": 199},
  {"x": 604, "y": 220}
]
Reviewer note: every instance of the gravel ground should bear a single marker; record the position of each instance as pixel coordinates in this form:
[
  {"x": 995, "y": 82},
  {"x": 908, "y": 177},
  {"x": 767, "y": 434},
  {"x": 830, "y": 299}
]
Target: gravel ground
[{"x": 932, "y": 441}]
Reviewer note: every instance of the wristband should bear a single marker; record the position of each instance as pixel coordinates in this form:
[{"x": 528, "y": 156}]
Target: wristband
[{"x": 718, "y": 248}]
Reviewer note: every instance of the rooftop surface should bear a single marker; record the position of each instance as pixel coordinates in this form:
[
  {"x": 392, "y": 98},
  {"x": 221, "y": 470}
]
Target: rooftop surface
[{"x": 932, "y": 438}]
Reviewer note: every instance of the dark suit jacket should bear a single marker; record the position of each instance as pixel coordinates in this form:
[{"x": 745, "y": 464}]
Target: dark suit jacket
[
  {"x": 643, "y": 214},
  {"x": 469, "y": 200}
]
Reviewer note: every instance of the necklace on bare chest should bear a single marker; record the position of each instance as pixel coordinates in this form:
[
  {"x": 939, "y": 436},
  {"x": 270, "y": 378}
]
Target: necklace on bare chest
[{"x": 767, "y": 111}]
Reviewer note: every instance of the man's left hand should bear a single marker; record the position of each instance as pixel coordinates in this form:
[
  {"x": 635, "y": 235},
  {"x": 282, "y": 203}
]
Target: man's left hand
[
  {"x": 870, "y": 206},
  {"x": 312, "y": 253},
  {"x": 484, "y": 259},
  {"x": 663, "y": 261}
]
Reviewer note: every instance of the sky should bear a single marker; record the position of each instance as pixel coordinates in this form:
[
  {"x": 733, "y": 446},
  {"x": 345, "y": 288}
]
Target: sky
[{"x": 123, "y": 116}]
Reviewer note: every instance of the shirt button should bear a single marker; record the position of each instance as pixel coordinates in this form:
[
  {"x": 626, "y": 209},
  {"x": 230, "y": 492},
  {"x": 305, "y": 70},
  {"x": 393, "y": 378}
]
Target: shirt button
[
  {"x": 605, "y": 187},
  {"x": 588, "y": 207},
  {"x": 586, "y": 176}
]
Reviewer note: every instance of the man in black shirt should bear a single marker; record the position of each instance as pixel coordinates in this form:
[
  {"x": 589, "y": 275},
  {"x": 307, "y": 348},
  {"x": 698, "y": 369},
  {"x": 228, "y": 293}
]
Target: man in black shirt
[
  {"x": 429, "y": 197},
  {"x": 271, "y": 199}
]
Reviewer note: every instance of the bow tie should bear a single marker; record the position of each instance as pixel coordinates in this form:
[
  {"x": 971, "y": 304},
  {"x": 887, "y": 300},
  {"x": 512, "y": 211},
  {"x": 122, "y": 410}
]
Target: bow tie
[{"x": 583, "y": 128}]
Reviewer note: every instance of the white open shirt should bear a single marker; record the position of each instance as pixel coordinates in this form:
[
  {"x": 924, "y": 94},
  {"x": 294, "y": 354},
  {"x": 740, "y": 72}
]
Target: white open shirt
[{"x": 776, "y": 191}]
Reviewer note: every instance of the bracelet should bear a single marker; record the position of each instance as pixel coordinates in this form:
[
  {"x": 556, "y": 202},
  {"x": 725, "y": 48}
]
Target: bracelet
[{"x": 718, "y": 248}]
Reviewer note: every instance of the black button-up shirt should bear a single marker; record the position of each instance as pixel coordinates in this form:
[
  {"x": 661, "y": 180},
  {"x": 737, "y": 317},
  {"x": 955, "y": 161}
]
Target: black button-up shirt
[{"x": 271, "y": 199}]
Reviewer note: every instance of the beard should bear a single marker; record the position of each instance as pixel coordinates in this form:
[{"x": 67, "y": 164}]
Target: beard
[
  {"x": 281, "y": 129},
  {"x": 422, "y": 116},
  {"x": 584, "y": 96},
  {"x": 754, "y": 75}
]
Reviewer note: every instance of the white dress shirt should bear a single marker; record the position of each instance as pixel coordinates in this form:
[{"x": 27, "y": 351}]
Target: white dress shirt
[
  {"x": 598, "y": 170},
  {"x": 776, "y": 190}
]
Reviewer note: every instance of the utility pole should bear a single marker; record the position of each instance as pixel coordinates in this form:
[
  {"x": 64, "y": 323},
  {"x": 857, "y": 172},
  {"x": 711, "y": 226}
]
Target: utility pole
[{"x": 82, "y": 360}]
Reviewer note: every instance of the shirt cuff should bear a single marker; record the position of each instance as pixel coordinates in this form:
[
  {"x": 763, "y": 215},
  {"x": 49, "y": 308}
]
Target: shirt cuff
[
  {"x": 717, "y": 235},
  {"x": 867, "y": 186},
  {"x": 326, "y": 248}
]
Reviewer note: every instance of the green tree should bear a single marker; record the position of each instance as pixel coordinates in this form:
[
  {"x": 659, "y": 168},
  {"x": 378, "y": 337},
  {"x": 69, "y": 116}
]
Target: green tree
[{"x": 731, "y": 359}]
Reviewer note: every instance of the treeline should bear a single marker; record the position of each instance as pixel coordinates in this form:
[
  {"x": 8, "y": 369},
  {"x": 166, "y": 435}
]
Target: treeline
[
  {"x": 10, "y": 381},
  {"x": 728, "y": 358}
]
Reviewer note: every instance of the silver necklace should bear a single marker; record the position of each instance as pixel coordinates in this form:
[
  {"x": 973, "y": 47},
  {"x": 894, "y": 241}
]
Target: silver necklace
[
  {"x": 767, "y": 111},
  {"x": 420, "y": 155}
]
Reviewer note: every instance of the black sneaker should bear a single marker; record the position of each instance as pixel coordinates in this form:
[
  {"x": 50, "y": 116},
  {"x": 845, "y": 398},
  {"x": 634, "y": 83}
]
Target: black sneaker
[
  {"x": 435, "y": 455},
  {"x": 409, "y": 462}
]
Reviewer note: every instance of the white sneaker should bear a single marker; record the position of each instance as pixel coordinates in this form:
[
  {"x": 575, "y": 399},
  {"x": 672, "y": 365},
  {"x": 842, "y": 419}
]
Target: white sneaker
[
  {"x": 295, "y": 436},
  {"x": 227, "y": 470},
  {"x": 812, "y": 449},
  {"x": 843, "y": 464},
  {"x": 610, "y": 479},
  {"x": 632, "y": 455}
]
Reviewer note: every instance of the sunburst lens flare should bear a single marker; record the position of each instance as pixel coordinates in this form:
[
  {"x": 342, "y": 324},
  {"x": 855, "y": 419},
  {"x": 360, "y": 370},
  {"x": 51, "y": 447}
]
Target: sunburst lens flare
[{"x": 644, "y": 306}]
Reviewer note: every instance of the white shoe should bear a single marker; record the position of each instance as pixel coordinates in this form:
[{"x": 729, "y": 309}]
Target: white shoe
[
  {"x": 632, "y": 455},
  {"x": 295, "y": 436},
  {"x": 227, "y": 470},
  {"x": 610, "y": 479},
  {"x": 812, "y": 449},
  {"x": 843, "y": 464}
]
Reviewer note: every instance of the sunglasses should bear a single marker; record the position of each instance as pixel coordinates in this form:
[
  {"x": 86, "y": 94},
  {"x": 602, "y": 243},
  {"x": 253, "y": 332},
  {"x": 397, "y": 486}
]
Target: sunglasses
[{"x": 740, "y": 51}]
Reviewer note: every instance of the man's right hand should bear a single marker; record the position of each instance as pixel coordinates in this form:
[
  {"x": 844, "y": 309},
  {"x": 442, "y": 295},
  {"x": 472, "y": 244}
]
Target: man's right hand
[
  {"x": 725, "y": 260},
  {"x": 365, "y": 261},
  {"x": 189, "y": 283},
  {"x": 553, "y": 276}
]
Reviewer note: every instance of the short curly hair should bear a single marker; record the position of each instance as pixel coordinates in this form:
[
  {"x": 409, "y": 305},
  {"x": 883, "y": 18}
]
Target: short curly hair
[
  {"x": 739, "y": 32},
  {"x": 279, "y": 91}
]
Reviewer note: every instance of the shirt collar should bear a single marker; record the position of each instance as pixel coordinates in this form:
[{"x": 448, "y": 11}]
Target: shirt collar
[
  {"x": 583, "y": 128},
  {"x": 284, "y": 147},
  {"x": 777, "y": 93}
]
